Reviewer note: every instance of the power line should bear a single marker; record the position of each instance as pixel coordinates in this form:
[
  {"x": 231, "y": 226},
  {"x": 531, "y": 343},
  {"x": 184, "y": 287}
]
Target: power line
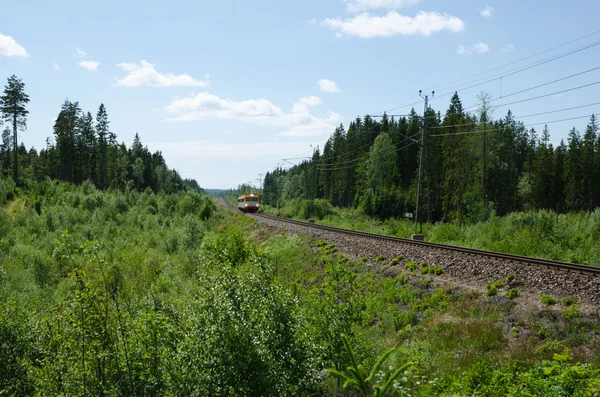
[
  {"x": 524, "y": 125},
  {"x": 540, "y": 96},
  {"x": 537, "y": 63},
  {"x": 517, "y": 61},
  {"x": 391, "y": 150},
  {"x": 560, "y": 110},
  {"x": 522, "y": 69},
  {"x": 519, "y": 117},
  {"x": 548, "y": 83}
]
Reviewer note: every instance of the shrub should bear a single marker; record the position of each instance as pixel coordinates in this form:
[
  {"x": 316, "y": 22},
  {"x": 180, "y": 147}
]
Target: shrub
[
  {"x": 567, "y": 301},
  {"x": 380, "y": 258},
  {"x": 510, "y": 278},
  {"x": 396, "y": 260},
  {"x": 437, "y": 270},
  {"x": 411, "y": 266},
  {"x": 321, "y": 243},
  {"x": 319, "y": 210},
  {"x": 547, "y": 300},
  {"x": 491, "y": 289},
  {"x": 572, "y": 312},
  {"x": 512, "y": 293},
  {"x": 499, "y": 284}
]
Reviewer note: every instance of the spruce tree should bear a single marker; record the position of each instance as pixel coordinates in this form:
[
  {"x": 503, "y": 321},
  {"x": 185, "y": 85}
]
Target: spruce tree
[
  {"x": 102, "y": 131},
  {"x": 588, "y": 159}
]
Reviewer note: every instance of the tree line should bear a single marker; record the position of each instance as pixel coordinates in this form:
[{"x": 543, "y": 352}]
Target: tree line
[
  {"x": 83, "y": 148},
  {"x": 473, "y": 166}
]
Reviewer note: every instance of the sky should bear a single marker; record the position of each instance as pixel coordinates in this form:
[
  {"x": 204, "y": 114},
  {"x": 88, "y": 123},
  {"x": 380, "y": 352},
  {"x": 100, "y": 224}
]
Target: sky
[{"x": 228, "y": 89}]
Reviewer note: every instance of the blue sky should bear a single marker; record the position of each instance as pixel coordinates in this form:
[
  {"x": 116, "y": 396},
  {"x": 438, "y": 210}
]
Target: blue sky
[{"x": 228, "y": 89}]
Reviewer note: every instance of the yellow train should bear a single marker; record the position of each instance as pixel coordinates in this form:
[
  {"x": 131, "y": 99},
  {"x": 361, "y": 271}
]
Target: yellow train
[{"x": 248, "y": 202}]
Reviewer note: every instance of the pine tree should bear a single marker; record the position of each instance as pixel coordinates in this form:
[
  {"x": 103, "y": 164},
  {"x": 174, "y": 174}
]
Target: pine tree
[{"x": 12, "y": 107}]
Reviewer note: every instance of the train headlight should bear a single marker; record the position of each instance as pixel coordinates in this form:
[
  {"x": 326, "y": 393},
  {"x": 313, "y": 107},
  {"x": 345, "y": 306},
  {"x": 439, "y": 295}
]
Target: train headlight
[
  {"x": 245, "y": 205},
  {"x": 257, "y": 205}
]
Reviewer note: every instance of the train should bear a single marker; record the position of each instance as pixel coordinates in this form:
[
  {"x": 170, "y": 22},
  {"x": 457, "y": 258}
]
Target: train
[{"x": 248, "y": 202}]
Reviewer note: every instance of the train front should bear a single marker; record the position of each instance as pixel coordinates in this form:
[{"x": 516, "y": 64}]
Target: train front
[{"x": 251, "y": 203}]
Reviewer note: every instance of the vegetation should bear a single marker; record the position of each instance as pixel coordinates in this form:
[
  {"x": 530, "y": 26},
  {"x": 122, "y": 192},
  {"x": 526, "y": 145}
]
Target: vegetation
[
  {"x": 548, "y": 300},
  {"x": 512, "y": 293},
  {"x": 126, "y": 292}
]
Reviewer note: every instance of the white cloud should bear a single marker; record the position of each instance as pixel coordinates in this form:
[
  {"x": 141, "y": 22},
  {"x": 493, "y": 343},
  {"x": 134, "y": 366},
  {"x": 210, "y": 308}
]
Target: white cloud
[
  {"x": 363, "y": 5},
  {"x": 508, "y": 48},
  {"x": 312, "y": 21},
  {"x": 392, "y": 24},
  {"x": 79, "y": 53},
  {"x": 10, "y": 48},
  {"x": 487, "y": 11},
  {"x": 479, "y": 48},
  {"x": 89, "y": 65},
  {"x": 328, "y": 86},
  {"x": 298, "y": 122},
  {"x": 145, "y": 74},
  {"x": 56, "y": 66}
]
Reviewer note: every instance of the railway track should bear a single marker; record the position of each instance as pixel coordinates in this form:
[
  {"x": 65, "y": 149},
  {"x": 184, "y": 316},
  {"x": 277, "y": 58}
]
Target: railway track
[{"x": 558, "y": 265}]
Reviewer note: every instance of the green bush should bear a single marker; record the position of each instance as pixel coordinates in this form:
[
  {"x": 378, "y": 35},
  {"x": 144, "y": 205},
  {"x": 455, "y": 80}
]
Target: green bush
[
  {"x": 491, "y": 289},
  {"x": 547, "y": 300},
  {"x": 512, "y": 293},
  {"x": 396, "y": 260},
  {"x": 317, "y": 210},
  {"x": 567, "y": 301},
  {"x": 380, "y": 258},
  {"x": 411, "y": 266}
]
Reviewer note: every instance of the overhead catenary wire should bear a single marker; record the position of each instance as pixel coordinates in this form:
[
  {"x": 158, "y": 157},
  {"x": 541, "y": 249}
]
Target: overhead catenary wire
[
  {"x": 390, "y": 151},
  {"x": 519, "y": 70},
  {"x": 524, "y": 125},
  {"x": 540, "y": 96},
  {"x": 513, "y": 71},
  {"x": 518, "y": 117},
  {"x": 515, "y": 62}
]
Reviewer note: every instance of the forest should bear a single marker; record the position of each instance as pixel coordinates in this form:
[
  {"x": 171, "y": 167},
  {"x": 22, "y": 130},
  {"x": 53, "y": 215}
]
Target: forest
[
  {"x": 474, "y": 166},
  {"x": 82, "y": 148}
]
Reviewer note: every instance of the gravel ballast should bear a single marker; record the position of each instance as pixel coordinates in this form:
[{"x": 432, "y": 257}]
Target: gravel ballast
[{"x": 463, "y": 269}]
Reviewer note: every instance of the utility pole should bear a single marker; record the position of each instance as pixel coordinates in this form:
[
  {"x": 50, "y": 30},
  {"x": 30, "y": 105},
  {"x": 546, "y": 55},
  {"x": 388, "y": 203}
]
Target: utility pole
[
  {"x": 415, "y": 235},
  {"x": 314, "y": 171},
  {"x": 260, "y": 179}
]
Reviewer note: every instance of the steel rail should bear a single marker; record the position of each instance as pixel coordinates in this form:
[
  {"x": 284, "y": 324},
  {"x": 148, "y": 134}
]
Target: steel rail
[{"x": 566, "y": 266}]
